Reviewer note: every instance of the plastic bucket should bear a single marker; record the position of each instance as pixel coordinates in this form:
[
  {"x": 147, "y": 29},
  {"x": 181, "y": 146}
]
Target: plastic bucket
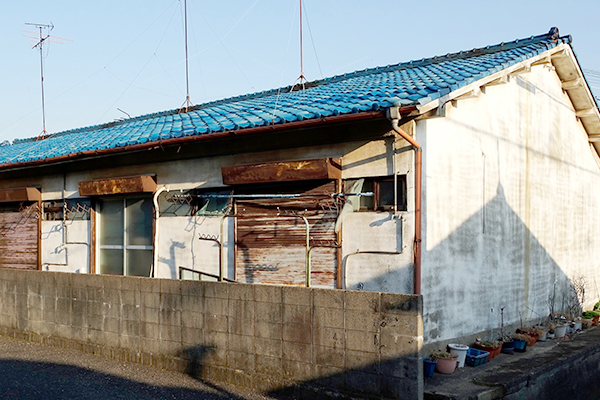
[
  {"x": 461, "y": 351},
  {"x": 429, "y": 366},
  {"x": 520, "y": 345},
  {"x": 560, "y": 331}
]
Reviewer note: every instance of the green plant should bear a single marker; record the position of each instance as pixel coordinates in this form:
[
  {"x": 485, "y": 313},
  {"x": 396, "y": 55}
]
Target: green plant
[
  {"x": 597, "y": 306},
  {"x": 590, "y": 314}
]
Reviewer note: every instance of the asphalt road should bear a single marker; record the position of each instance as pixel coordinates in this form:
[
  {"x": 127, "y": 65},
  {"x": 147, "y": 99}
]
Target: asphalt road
[{"x": 34, "y": 371}]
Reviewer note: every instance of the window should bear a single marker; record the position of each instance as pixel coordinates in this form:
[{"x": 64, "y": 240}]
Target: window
[
  {"x": 383, "y": 192},
  {"x": 125, "y": 236}
]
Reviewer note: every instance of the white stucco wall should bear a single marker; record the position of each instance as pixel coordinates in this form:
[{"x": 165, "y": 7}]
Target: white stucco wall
[
  {"x": 511, "y": 199},
  {"x": 180, "y": 246},
  {"x": 65, "y": 247}
]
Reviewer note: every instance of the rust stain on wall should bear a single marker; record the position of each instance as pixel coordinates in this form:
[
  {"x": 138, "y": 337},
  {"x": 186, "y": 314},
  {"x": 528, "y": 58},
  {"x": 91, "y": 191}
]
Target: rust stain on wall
[{"x": 284, "y": 171}]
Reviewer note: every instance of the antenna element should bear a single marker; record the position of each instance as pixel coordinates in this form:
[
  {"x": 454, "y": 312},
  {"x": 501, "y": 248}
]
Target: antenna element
[
  {"x": 301, "y": 79},
  {"x": 188, "y": 102},
  {"x": 40, "y": 44}
]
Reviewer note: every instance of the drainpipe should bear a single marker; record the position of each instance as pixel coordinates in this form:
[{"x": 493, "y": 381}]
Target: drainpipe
[
  {"x": 393, "y": 114},
  {"x": 307, "y": 250},
  {"x": 156, "y": 228}
]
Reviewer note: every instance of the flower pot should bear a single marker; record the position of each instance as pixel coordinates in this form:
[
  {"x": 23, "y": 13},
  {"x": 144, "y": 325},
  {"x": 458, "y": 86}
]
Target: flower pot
[
  {"x": 446, "y": 365},
  {"x": 429, "y": 366},
  {"x": 494, "y": 351},
  {"x": 520, "y": 345},
  {"x": 596, "y": 320},
  {"x": 587, "y": 323},
  {"x": 508, "y": 347},
  {"x": 560, "y": 331},
  {"x": 461, "y": 351},
  {"x": 577, "y": 326},
  {"x": 543, "y": 337},
  {"x": 532, "y": 339}
]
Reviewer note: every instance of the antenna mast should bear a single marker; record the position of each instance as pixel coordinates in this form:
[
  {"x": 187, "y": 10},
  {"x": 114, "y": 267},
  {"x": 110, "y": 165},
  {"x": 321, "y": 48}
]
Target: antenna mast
[
  {"x": 40, "y": 44},
  {"x": 301, "y": 78},
  {"x": 188, "y": 102}
]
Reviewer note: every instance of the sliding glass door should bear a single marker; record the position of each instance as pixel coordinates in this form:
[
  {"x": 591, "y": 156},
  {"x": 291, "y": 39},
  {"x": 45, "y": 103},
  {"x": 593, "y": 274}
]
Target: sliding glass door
[{"x": 125, "y": 236}]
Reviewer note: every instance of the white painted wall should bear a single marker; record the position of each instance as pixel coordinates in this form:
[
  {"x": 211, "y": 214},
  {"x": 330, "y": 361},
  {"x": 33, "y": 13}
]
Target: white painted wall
[
  {"x": 65, "y": 247},
  {"x": 511, "y": 199},
  {"x": 180, "y": 245}
]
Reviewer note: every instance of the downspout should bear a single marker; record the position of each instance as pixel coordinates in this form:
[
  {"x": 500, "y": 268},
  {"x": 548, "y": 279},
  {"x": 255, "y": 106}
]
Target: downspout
[
  {"x": 393, "y": 114},
  {"x": 156, "y": 228}
]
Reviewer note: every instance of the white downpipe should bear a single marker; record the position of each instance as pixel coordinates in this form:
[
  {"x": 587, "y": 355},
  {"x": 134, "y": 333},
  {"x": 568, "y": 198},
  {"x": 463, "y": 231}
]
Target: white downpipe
[{"x": 156, "y": 227}]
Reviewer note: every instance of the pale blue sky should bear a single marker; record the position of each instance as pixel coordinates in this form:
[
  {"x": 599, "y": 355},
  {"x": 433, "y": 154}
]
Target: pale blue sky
[{"x": 129, "y": 54}]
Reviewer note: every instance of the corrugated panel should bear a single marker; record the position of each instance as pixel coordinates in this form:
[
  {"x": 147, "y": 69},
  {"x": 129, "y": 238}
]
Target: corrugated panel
[
  {"x": 19, "y": 236},
  {"x": 271, "y": 242}
]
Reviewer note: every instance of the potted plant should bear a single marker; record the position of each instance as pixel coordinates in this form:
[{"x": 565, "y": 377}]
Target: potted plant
[
  {"x": 541, "y": 333},
  {"x": 446, "y": 361},
  {"x": 520, "y": 342},
  {"x": 492, "y": 347},
  {"x": 561, "y": 330},
  {"x": 592, "y": 316},
  {"x": 508, "y": 346},
  {"x": 531, "y": 335}
]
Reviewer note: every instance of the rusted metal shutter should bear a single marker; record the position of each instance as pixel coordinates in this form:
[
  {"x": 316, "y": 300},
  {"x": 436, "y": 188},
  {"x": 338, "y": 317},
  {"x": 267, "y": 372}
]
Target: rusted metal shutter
[
  {"x": 19, "y": 235},
  {"x": 271, "y": 238}
]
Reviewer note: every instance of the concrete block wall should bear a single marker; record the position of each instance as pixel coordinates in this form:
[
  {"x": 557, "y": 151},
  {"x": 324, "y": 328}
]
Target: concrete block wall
[{"x": 276, "y": 339}]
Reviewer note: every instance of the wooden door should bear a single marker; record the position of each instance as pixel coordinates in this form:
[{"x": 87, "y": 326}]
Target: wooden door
[{"x": 19, "y": 236}]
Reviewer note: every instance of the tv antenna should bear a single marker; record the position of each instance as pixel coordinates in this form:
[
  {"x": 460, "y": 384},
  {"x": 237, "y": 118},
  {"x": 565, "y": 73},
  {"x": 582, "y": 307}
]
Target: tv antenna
[
  {"x": 43, "y": 37},
  {"x": 188, "y": 103},
  {"x": 301, "y": 79}
]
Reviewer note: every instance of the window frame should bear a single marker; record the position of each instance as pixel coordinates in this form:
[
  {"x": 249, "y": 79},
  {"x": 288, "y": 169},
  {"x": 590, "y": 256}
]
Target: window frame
[
  {"x": 375, "y": 184},
  {"x": 122, "y": 247}
]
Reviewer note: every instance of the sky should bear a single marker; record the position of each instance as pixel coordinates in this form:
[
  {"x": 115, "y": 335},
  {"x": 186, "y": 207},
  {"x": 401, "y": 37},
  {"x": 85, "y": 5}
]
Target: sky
[{"x": 127, "y": 57}]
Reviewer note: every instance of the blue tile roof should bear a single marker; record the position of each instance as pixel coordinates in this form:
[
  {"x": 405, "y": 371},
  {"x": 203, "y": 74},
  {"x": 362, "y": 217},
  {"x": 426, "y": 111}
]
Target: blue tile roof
[{"x": 404, "y": 84}]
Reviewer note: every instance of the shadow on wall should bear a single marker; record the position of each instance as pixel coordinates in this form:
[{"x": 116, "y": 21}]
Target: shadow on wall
[
  {"x": 42, "y": 380},
  {"x": 491, "y": 262},
  {"x": 195, "y": 357},
  {"x": 380, "y": 358}
]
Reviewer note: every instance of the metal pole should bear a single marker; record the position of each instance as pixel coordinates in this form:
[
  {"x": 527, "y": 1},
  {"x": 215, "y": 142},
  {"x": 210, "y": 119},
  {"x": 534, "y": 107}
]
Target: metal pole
[
  {"x": 187, "y": 77},
  {"x": 42, "y": 74},
  {"x": 301, "y": 54}
]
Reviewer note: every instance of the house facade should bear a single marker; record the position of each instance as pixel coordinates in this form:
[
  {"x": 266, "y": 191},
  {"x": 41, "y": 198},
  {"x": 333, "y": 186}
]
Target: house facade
[{"x": 470, "y": 178}]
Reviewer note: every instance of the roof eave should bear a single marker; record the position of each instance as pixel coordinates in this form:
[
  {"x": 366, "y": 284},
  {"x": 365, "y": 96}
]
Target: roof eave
[
  {"x": 309, "y": 123},
  {"x": 567, "y": 68}
]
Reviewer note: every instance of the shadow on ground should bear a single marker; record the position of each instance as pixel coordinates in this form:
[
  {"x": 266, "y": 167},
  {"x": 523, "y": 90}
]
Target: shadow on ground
[{"x": 41, "y": 380}]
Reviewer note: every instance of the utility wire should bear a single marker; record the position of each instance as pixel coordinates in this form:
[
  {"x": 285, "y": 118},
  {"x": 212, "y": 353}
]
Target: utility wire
[
  {"x": 91, "y": 75},
  {"x": 287, "y": 50},
  {"x": 130, "y": 84},
  {"x": 312, "y": 40},
  {"x": 225, "y": 47},
  {"x": 126, "y": 89}
]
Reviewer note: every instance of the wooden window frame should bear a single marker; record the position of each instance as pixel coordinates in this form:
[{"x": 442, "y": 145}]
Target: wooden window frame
[{"x": 376, "y": 183}]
